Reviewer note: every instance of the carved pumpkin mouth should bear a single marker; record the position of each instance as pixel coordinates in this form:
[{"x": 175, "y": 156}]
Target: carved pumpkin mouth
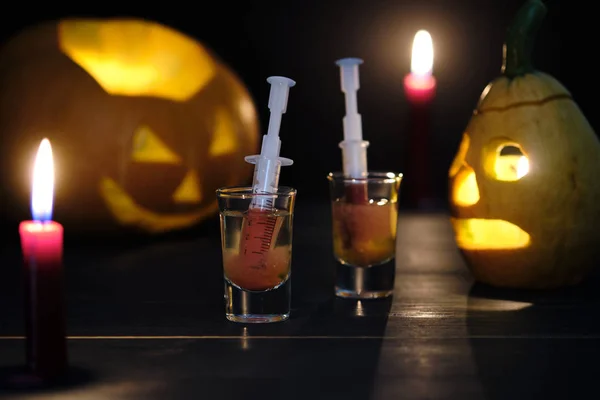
[
  {"x": 489, "y": 234},
  {"x": 136, "y": 203},
  {"x": 126, "y": 210},
  {"x": 163, "y": 188}
]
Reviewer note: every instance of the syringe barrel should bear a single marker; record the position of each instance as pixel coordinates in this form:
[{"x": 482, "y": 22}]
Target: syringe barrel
[
  {"x": 268, "y": 168},
  {"x": 354, "y": 158}
]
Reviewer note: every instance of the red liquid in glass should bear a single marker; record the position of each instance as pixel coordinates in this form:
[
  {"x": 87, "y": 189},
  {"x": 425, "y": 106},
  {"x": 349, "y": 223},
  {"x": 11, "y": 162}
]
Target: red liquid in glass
[
  {"x": 256, "y": 239},
  {"x": 356, "y": 193}
]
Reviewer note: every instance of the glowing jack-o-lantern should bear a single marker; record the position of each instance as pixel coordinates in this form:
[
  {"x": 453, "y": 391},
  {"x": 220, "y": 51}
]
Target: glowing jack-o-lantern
[
  {"x": 145, "y": 122},
  {"x": 524, "y": 190}
]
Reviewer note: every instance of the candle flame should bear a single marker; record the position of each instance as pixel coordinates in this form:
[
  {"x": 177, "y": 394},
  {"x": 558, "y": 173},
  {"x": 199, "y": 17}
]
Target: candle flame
[
  {"x": 422, "y": 54},
  {"x": 42, "y": 191}
]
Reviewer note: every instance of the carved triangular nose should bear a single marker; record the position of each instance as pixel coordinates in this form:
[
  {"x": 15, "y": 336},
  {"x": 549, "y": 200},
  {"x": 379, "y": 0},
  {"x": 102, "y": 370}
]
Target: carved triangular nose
[
  {"x": 189, "y": 190},
  {"x": 149, "y": 148}
]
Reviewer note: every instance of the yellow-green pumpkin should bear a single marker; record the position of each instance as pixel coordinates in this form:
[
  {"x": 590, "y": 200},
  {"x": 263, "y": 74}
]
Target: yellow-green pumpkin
[{"x": 524, "y": 187}]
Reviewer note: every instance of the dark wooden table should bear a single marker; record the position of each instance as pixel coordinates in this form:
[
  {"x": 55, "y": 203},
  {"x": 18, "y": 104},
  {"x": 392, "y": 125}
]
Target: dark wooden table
[{"x": 147, "y": 322}]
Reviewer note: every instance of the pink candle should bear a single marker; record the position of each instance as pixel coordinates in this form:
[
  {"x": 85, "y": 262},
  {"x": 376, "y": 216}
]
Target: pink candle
[
  {"x": 42, "y": 247},
  {"x": 419, "y": 86}
]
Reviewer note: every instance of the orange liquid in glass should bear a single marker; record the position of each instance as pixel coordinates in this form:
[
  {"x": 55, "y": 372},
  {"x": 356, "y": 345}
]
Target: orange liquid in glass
[
  {"x": 257, "y": 251},
  {"x": 364, "y": 234}
]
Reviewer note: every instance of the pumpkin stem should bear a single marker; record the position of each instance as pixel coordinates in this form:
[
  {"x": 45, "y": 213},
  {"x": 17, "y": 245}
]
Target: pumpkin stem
[{"x": 520, "y": 37}]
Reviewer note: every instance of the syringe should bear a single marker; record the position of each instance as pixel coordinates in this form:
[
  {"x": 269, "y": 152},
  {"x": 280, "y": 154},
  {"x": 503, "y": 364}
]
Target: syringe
[
  {"x": 260, "y": 226},
  {"x": 354, "y": 148}
]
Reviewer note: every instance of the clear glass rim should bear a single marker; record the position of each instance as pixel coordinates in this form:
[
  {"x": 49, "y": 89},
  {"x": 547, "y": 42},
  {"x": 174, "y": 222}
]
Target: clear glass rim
[
  {"x": 245, "y": 192},
  {"x": 372, "y": 176}
]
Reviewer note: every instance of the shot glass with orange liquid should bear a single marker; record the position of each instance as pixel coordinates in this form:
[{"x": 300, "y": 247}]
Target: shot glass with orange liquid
[
  {"x": 257, "y": 253},
  {"x": 364, "y": 221}
]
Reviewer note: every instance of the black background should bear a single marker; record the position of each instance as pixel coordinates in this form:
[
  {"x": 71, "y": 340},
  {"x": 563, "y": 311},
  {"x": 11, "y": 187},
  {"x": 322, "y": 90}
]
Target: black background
[{"x": 302, "y": 40}]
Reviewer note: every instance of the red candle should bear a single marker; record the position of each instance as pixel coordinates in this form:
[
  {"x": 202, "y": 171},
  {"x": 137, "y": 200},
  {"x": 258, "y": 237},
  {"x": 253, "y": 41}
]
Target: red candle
[
  {"x": 42, "y": 247},
  {"x": 419, "y": 87}
]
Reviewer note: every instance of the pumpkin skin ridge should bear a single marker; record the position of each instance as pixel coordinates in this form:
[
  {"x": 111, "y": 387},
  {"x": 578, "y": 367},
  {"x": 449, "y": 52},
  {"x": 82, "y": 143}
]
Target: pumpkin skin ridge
[
  {"x": 531, "y": 87},
  {"x": 534, "y": 103}
]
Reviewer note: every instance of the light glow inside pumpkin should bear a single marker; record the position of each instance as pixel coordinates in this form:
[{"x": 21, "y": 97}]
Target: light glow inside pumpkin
[
  {"x": 224, "y": 141},
  {"x": 126, "y": 210},
  {"x": 509, "y": 164},
  {"x": 137, "y": 58},
  {"x": 465, "y": 192},
  {"x": 149, "y": 148},
  {"x": 479, "y": 233},
  {"x": 188, "y": 190},
  {"x": 488, "y": 234},
  {"x": 511, "y": 168}
]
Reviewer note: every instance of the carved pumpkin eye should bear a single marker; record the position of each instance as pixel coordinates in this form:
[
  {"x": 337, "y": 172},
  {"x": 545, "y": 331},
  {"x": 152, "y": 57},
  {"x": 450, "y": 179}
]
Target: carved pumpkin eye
[
  {"x": 506, "y": 161},
  {"x": 224, "y": 138}
]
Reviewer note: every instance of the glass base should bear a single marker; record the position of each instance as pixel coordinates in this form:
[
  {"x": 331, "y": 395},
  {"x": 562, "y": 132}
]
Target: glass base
[
  {"x": 251, "y": 307},
  {"x": 365, "y": 283},
  {"x": 256, "y": 318}
]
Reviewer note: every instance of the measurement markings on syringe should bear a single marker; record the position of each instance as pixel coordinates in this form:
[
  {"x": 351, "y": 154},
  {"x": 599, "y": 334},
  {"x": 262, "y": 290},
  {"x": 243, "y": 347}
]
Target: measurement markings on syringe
[{"x": 259, "y": 238}]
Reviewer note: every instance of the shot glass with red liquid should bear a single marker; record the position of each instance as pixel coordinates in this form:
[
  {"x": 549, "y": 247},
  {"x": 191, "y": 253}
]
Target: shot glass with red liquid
[
  {"x": 364, "y": 222},
  {"x": 257, "y": 253}
]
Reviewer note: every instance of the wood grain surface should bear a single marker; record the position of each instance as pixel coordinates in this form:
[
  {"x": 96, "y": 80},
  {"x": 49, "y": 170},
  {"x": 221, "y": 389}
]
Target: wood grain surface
[{"x": 146, "y": 321}]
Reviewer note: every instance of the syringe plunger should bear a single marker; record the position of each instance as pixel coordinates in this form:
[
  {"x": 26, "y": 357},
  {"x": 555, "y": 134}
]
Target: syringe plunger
[
  {"x": 354, "y": 148},
  {"x": 350, "y": 84},
  {"x": 268, "y": 163}
]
